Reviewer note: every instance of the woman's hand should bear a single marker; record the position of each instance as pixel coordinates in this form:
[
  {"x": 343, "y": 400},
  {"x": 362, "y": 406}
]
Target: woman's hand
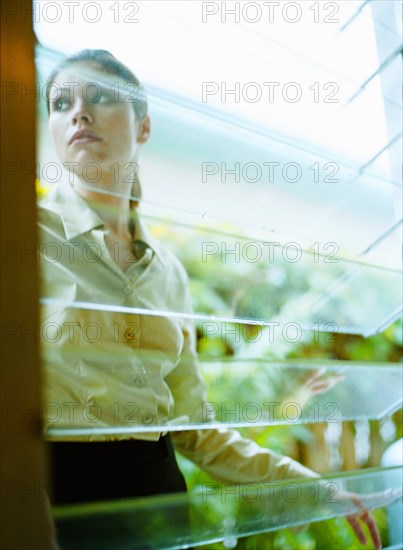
[
  {"x": 366, "y": 517},
  {"x": 319, "y": 382},
  {"x": 354, "y": 520}
]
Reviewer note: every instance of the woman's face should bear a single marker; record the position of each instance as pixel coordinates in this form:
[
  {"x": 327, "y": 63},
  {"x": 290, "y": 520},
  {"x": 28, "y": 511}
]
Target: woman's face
[{"x": 91, "y": 125}]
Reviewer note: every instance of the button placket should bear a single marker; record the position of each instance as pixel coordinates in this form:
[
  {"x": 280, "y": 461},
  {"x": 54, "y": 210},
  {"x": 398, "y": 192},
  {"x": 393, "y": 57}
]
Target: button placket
[{"x": 140, "y": 374}]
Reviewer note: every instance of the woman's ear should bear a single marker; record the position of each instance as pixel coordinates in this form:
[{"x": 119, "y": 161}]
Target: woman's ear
[{"x": 144, "y": 130}]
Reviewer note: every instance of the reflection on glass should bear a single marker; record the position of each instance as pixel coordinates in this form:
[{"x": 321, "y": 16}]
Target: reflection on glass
[
  {"x": 238, "y": 392},
  {"x": 217, "y": 512},
  {"x": 254, "y": 280}
]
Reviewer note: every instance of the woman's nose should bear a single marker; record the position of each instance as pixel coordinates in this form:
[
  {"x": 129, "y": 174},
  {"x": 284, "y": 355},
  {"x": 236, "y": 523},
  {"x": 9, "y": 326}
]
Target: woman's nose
[{"x": 82, "y": 113}]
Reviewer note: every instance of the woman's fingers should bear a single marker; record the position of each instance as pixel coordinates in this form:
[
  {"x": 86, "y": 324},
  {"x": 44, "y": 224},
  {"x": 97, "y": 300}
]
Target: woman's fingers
[
  {"x": 355, "y": 524},
  {"x": 320, "y": 386},
  {"x": 373, "y": 529},
  {"x": 315, "y": 375}
]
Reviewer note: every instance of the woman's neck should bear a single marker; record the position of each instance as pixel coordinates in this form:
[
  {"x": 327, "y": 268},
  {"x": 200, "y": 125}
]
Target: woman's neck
[{"x": 114, "y": 210}]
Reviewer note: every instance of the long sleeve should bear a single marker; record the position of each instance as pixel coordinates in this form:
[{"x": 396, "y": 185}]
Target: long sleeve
[{"x": 223, "y": 453}]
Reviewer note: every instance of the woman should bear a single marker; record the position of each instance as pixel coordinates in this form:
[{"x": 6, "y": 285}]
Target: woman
[{"x": 107, "y": 368}]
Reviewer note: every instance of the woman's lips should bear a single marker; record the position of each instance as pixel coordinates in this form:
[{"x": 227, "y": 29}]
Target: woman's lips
[{"x": 82, "y": 137}]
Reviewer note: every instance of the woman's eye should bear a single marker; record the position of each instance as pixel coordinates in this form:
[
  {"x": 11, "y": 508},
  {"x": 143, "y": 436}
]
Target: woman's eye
[
  {"x": 102, "y": 96},
  {"x": 60, "y": 104}
]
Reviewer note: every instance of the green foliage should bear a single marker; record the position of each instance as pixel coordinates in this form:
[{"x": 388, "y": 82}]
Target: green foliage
[
  {"x": 337, "y": 533},
  {"x": 326, "y": 535},
  {"x": 334, "y": 534},
  {"x": 278, "y": 290}
]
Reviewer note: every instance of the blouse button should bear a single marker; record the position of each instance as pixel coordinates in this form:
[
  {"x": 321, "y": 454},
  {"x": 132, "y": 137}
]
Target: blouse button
[
  {"x": 139, "y": 381},
  {"x": 129, "y": 334},
  {"x": 128, "y": 289}
]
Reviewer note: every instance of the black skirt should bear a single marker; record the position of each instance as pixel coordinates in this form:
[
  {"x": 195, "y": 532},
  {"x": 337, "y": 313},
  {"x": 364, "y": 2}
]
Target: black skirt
[
  {"x": 88, "y": 472},
  {"x": 117, "y": 470}
]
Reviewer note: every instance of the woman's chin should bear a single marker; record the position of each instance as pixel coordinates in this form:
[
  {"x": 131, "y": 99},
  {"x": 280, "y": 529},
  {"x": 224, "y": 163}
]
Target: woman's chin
[{"x": 88, "y": 166}]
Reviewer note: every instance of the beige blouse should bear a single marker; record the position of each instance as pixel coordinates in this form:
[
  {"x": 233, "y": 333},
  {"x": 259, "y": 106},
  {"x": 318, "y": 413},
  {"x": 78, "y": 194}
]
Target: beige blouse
[{"x": 108, "y": 367}]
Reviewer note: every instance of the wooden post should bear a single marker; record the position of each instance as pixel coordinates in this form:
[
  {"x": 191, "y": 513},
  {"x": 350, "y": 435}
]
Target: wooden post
[{"x": 24, "y": 522}]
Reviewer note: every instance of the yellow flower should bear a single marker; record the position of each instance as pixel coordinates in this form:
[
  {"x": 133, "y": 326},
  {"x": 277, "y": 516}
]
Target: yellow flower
[{"x": 41, "y": 189}]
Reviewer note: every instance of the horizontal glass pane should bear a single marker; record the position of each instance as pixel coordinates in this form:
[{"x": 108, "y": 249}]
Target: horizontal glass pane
[
  {"x": 239, "y": 393},
  {"x": 256, "y": 279},
  {"x": 219, "y": 512},
  {"x": 386, "y": 247},
  {"x": 245, "y": 386},
  {"x": 261, "y": 276}
]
